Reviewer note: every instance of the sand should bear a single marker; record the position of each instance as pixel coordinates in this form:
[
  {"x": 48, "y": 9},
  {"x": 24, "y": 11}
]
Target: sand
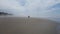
[{"x": 20, "y": 25}]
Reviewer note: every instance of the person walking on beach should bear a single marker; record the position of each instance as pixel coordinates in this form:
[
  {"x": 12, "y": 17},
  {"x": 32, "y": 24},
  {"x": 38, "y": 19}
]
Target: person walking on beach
[{"x": 28, "y": 16}]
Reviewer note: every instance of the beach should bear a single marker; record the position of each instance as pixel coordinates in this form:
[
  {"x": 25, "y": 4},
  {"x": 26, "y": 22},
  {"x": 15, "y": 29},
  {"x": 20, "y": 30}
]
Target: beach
[{"x": 21, "y": 25}]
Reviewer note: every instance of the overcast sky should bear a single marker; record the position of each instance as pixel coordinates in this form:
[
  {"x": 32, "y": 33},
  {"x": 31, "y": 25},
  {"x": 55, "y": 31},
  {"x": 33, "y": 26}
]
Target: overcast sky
[{"x": 33, "y": 8}]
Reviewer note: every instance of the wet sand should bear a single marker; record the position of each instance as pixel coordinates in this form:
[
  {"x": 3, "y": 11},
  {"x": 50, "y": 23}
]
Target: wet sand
[{"x": 20, "y": 25}]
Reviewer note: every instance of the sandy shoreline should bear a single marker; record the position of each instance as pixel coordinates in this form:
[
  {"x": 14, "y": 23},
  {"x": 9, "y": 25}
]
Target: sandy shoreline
[{"x": 14, "y": 25}]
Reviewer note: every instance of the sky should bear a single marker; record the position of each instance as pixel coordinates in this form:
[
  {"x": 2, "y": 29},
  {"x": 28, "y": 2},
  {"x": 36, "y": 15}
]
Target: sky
[{"x": 34, "y": 8}]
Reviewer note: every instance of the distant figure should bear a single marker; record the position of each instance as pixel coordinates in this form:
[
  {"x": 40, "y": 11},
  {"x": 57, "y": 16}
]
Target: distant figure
[{"x": 28, "y": 16}]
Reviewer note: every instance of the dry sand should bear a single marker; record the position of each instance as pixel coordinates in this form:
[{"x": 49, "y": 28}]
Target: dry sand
[{"x": 19, "y": 25}]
